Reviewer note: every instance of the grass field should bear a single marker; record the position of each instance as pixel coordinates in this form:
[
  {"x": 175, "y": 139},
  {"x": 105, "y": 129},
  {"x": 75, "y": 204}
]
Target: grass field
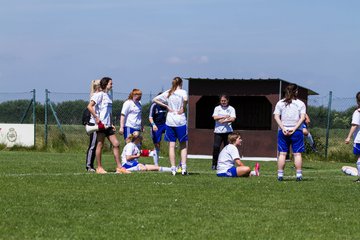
[{"x": 50, "y": 196}]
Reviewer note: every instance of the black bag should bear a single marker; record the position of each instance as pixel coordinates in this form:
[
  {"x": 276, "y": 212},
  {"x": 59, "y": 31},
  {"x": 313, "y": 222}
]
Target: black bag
[{"x": 86, "y": 117}]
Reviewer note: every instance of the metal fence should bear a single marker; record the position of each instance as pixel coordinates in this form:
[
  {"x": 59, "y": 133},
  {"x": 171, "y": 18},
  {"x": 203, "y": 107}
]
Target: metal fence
[{"x": 58, "y": 119}]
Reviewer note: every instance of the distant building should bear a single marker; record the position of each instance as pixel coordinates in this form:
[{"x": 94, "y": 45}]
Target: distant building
[{"x": 254, "y": 101}]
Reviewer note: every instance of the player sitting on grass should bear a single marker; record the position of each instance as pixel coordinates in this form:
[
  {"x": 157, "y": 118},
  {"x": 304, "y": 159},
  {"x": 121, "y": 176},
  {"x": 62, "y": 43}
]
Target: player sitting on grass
[
  {"x": 229, "y": 164},
  {"x": 131, "y": 154}
]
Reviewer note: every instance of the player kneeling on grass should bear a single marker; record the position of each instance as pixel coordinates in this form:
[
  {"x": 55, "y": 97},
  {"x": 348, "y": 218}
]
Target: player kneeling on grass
[
  {"x": 229, "y": 164},
  {"x": 131, "y": 153}
]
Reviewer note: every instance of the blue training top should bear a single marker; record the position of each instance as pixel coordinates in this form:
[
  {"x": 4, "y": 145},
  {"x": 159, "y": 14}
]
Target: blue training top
[{"x": 158, "y": 114}]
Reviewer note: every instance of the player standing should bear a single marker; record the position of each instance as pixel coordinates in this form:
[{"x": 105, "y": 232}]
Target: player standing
[
  {"x": 289, "y": 114},
  {"x": 175, "y": 100}
]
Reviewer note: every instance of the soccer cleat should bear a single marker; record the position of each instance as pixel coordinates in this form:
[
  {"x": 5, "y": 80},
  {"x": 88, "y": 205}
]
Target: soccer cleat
[
  {"x": 179, "y": 169},
  {"x": 257, "y": 169},
  {"x": 213, "y": 167},
  {"x": 122, "y": 171},
  {"x": 100, "y": 171},
  {"x": 90, "y": 170},
  {"x": 173, "y": 172},
  {"x": 184, "y": 173},
  {"x": 357, "y": 180},
  {"x": 299, "y": 179},
  {"x": 280, "y": 179}
]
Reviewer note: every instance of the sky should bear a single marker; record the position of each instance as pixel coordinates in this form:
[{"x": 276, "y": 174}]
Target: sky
[{"x": 61, "y": 45}]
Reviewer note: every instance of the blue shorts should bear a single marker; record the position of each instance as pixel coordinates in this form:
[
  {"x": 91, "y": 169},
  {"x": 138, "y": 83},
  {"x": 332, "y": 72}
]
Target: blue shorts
[
  {"x": 173, "y": 133},
  {"x": 129, "y": 130},
  {"x": 130, "y": 164},
  {"x": 356, "y": 149},
  {"x": 296, "y": 140},
  {"x": 156, "y": 136},
  {"x": 231, "y": 172}
]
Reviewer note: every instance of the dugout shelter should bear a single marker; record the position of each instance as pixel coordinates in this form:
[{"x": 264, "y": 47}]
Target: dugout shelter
[{"x": 254, "y": 101}]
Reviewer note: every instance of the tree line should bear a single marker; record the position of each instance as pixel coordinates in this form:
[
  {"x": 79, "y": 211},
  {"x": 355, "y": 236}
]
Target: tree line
[{"x": 70, "y": 112}]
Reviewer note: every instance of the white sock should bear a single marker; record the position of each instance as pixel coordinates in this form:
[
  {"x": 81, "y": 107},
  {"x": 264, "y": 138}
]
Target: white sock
[
  {"x": 358, "y": 166},
  {"x": 183, "y": 168},
  {"x": 298, "y": 173},
  {"x": 165, "y": 169},
  {"x": 280, "y": 173},
  {"x": 156, "y": 157}
]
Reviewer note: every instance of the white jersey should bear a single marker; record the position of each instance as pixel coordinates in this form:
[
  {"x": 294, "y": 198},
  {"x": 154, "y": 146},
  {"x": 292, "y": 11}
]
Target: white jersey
[
  {"x": 223, "y": 111},
  {"x": 103, "y": 107},
  {"x": 227, "y": 158},
  {"x": 291, "y": 113},
  {"x": 129, "y": 150},
  {"x": 176, "y": 103},
  {"x": 132, "y": 112},
  {"x": 356, "y": 121}
]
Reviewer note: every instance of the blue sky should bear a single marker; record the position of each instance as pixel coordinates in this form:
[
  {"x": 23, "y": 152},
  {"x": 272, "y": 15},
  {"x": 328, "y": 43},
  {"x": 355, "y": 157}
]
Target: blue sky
[{"x": 63, "y": 45}]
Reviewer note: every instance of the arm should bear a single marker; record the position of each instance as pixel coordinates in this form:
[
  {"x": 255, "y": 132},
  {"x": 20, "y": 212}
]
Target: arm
[
  {"x": 281, "y": 126},
  {"x": 132, "y": 157},
  {"x": 238, "y": 162},
  {"x": 229, "y": 120},
  {"x": 90, "y": 107},
  {"x": 151, "y": 119},
  {"x": 351, "y": 132},
  {"x": 157, "y": 101},
  {"x": 301, "y": 120},
  {"x": 307, "y": 119},
  {"x": 122, "y": 122}
]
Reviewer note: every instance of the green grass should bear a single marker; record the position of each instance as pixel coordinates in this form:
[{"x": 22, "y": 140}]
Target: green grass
[{"x": 49, "y": 196}]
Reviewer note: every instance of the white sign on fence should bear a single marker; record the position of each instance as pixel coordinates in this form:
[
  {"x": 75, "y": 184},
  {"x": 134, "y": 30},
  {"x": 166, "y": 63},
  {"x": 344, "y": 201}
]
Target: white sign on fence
[{"x": 17, "y": 134}]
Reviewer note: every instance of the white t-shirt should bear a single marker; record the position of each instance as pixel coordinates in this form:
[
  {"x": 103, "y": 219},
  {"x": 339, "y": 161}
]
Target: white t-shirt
[
  {"x": 223, "y": 111},
  {"x": 291, "y": 113},
  {"x": 356, "y": 120},
  {"x": 176, "y": 103},
  {"x": 129, "y": 149},
  {"x": 227, "y": 158},
  {"x": 132, "y": 112},
  {"x": 103, "y": 107}
]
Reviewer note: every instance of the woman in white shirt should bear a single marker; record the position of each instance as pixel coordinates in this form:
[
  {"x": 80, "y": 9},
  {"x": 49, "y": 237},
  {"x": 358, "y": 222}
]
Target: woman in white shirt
[
  {"x": 290, "y": 114},
  {"x": 175, "y": 100},
  {"x": 224, "y": 115},
  {"x": 130, "y": 119},
  {"x": 131, "y": 154},
  {"x": 100, "y": 107}
]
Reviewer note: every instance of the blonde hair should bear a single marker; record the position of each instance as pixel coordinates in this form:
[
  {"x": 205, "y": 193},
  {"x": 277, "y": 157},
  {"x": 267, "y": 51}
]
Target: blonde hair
[
  {"x": 133, "y": 136},
  {"x": 95, "y": 86},
  {"x": 135, "y": 91}
]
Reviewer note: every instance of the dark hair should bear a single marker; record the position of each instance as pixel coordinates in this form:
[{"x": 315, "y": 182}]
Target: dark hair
[
  {"x": 291, "y": 93},
  {"x": 224, "y": 96},
  {"x": 358, "y": 98},
  {"x": 104, "y": 82},
  {"x": 177, "y": 81}
]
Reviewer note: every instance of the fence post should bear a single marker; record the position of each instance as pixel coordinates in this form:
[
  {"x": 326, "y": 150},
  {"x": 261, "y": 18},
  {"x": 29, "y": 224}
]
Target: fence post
[
  {"x": 46, "y": 117},
  {"x": 34, "y": 114},
  {"x": 328, "y": 125}
]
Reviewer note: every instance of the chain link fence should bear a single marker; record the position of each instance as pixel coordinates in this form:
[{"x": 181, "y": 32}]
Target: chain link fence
[
  {"x": 330, "y": 128},
  {"x": 59, "y": 127}
]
